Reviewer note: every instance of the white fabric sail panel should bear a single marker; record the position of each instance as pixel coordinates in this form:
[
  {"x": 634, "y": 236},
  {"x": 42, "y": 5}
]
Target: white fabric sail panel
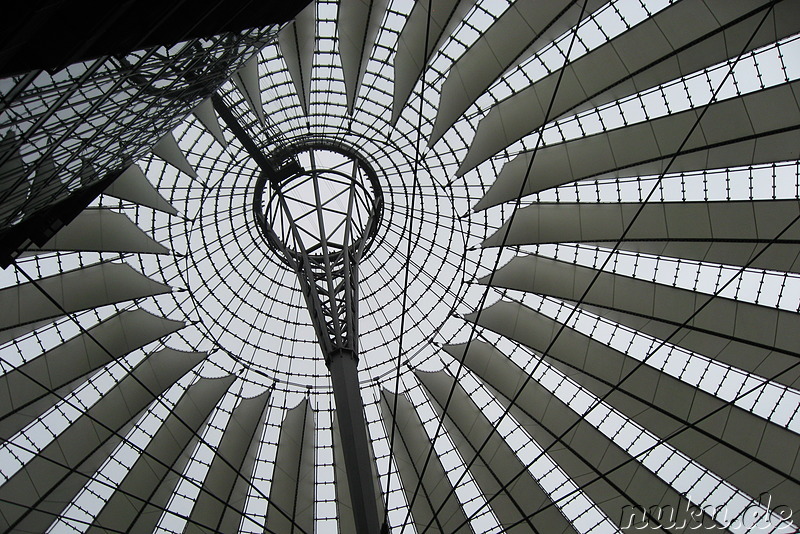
[
  {"x": 343, "y": 503},
  {"x": 247, "y": 81},
  {"x": 778, "y": 256},
  {"x": 39, "y": 492},
  {"x": 45, "y": 170},
  {"x": 168, "y": 150},
  {"x": 760, "y": 127},
  {"x": 772, "y": 365},
  {"x": 562, "y": 222},
  {"x": 19, "y": 331},
  {"x": 79, "y": 289},
  {"x": 435, "y": 504},
  {"x": 208, "y": 118},
  {"x": 102, "y": 230},
  {"x": 496, "y": 465},
  {"x": 29, "y": 390},
  {"x": 742, "y": 321},
  {"x": 44, "y": 184},
  {"x": 420, "y": 28},
  {"x": 681, "y": 39},
  {"x": 220, "y": 505},
  {"x": 139, "y": 500},
  {"x": 751, "y": 453},
  {"x": 297, "y": 42},
  {"x": 88, "y": 174},
  {"x": 13, "y": 184},
  {"x": 291, "y": 496},
  {"x": 132, "y": 185},
  {"x": 752, "y": 477},
  {"x": 533, "y": 23},
  {"x": 358, "y": 25},
  {"x": 604, "y": 471}
]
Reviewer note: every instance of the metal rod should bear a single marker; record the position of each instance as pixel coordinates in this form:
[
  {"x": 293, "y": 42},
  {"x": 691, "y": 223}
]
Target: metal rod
[
  {"x": 352, "y": 427},
  {"x": 327, "y": 272}
]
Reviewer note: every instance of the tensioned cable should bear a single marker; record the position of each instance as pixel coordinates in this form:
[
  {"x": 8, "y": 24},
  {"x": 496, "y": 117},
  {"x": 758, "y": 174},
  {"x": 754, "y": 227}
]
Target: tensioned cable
[
  {"x": 157, "y": 398},
  {"x": 67, "y": 519},
  {"x": 431, "y": 217},
  {"x": 618, "y": 242},
  {"x": 669, "y": 414},
  {"x": 127, "y": 494},
  {"x": 568, "y": 446},
  {"x": 485, "y": 294},
  {"x": 685, "y": 426},
  {"x": 609, "y": 256},
  {"x": 444, "y": 259},
  {"x": 86, "y": 333},
  {"x": 410, "y": 220}
]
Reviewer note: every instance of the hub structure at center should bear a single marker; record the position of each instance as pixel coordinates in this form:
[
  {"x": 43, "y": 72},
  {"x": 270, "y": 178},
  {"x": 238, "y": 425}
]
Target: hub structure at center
[{"x": 319, "y": 208}]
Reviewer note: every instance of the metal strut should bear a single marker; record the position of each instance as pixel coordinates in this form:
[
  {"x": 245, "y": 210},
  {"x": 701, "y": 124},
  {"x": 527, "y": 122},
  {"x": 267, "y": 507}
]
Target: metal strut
[
  {"x": 330, "y": 289},
  {"x": 326, "y": 264},
  {"x": 325, "y": 255}
]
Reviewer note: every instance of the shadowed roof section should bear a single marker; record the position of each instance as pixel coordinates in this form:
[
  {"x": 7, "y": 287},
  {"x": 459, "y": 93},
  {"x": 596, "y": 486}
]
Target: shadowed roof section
[{"x": 53, "y": 34}]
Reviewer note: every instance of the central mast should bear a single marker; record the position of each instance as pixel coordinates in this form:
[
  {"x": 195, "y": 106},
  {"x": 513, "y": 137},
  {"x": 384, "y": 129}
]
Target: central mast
[{"x": 320, "y": 212}]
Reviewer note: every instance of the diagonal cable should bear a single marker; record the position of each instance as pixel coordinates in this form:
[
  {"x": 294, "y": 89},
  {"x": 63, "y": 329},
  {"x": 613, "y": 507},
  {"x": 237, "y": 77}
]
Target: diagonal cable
[
  {"x": 686, "y": 425},
  {"x": 404, "y": 305},
  {"x": 485, "y": 294},
  {"x": 158, "y": 399},
  {"x": 616, "y": 244}
]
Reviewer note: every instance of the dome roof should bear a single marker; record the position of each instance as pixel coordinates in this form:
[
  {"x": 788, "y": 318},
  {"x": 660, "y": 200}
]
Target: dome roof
[{"x": 578, "y": 309}]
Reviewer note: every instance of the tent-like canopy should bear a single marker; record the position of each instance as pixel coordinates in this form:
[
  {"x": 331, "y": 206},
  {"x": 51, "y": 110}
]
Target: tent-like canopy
[{"x": 579, "y": 311}]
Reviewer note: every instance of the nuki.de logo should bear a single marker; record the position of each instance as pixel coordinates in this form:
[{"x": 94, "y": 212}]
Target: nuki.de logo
[{"x": 762, "y": 515}]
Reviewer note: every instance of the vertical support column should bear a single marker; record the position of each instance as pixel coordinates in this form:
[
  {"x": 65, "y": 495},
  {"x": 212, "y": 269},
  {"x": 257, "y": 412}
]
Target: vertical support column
[
  {"x": 323, "y": 243},
  {"x": 342, "y": 365}
]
